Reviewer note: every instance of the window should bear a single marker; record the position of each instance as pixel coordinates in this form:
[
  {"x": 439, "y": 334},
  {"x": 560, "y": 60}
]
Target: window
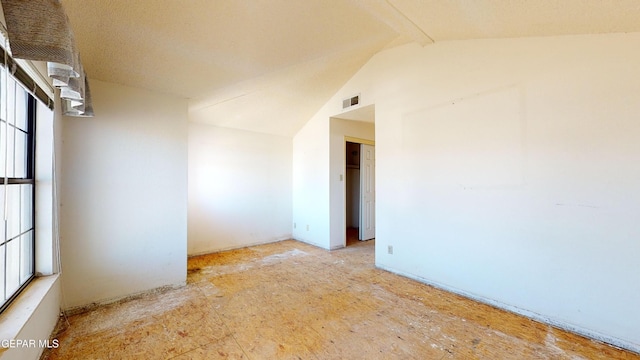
[{"x": 17, "y": 188}]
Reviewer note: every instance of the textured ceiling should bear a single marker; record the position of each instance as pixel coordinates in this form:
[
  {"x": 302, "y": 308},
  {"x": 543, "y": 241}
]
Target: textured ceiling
[
  {"x": 269, "y": 65},
  {"x": 473, "y": 19}
]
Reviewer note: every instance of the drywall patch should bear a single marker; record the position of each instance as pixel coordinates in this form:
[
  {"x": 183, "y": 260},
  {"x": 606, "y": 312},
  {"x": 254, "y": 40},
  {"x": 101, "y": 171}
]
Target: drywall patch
[{"x": 477, "y": 141}]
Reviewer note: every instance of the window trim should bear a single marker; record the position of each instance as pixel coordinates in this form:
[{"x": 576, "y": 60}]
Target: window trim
[
  {"x": 24, "y": 73},
  {"x": 30, "y": 178}
]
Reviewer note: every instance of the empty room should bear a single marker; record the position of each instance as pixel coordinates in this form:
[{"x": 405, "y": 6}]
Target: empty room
[{"x": 353, "y": 179}]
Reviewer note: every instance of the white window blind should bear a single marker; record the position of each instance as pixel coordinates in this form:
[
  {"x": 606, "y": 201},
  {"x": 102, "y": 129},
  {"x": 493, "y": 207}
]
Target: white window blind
[{"x": 39, "y": 30}]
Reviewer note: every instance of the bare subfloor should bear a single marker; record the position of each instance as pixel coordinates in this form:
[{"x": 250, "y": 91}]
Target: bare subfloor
[{"x": 289, "y": 300}]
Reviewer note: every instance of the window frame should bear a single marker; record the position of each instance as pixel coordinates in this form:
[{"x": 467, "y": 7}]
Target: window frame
[{"x": 29, "y": 179}]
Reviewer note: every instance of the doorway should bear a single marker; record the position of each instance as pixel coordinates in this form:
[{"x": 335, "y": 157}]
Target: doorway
[
  {"x": 352, "y": 190},
  {"x": 359, "y": 190},
  {"x": 355, "y": 126}
]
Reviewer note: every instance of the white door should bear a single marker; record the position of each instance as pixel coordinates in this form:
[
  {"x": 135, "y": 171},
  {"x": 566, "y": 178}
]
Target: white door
[{"x": 367, "y": 192}]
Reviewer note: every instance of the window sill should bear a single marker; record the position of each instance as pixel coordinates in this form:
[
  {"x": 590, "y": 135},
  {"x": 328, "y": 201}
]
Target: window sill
[{"x": 16, "y": 316}]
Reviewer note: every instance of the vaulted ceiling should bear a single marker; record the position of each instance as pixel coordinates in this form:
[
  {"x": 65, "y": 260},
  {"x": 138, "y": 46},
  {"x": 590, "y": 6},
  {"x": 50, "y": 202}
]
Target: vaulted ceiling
[{"x": 269, "y": 65}]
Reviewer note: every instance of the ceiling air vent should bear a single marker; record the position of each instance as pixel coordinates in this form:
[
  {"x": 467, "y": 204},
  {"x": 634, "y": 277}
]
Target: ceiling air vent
[{"x": 352, "y": 101}]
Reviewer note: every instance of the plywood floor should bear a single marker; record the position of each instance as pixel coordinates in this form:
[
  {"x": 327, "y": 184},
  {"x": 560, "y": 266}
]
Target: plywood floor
[{"x": 289, "y": 300}]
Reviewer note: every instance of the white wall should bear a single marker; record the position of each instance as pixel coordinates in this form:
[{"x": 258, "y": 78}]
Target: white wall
[
  {"x": 311, "y": 181},
  {"x": 339, "y": 129},
  {"x": 239, "y": 188},
  {"x": 506, "y": 170},
  {"x": 124, "y": 195}
]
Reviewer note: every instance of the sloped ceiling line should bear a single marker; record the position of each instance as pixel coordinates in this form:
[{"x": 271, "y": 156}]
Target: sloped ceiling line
[
  {"x": 387, "y": 13},
  {"x": 268, "y": 66}
]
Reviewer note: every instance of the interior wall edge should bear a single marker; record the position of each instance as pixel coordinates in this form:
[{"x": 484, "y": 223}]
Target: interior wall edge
[
  {"x": 563, "y": 325},
  {"x": 242, "y": 246},
  {"x": 79, "y": 309},
  {"x": 313, "y": 244}
]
